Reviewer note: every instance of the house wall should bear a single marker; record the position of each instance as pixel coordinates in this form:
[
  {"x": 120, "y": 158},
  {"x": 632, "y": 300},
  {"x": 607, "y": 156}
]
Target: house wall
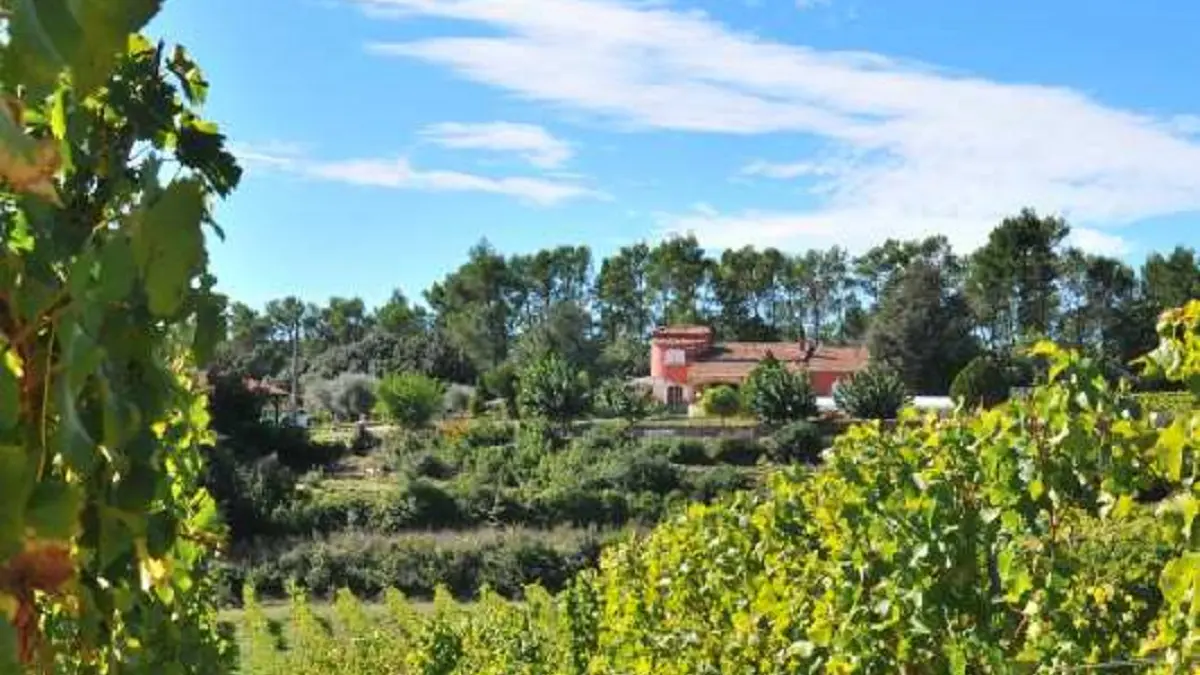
[{"x": 823, "y": 381}]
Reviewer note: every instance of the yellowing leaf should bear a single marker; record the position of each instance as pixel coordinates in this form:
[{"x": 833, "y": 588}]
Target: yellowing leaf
[
  {"x": 1169, "y": 449},
  {"x": 26, "y": 165}
]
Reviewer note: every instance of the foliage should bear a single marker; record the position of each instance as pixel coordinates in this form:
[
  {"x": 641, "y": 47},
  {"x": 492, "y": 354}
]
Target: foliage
[
  {"x": 551, "y": 389},
  {"x": 721, "y": 401},
  {"x": 876, "y": 393},
  {"x": 689, "y": 452},
  {"x": 417, "y": 563},
  {"x": 797, "y": 442},
  {"x": 410, "y": 399},
  {"x": 777, "y": 395},
  {"x": 106, "y": 309},
  {"x": 922, "y": 329},
  {"x": 983, "y": 382},
  {"x": 347, "y": 397},
  {"x": 619, "y": 399},
  {"x": 738, "y": 451}
]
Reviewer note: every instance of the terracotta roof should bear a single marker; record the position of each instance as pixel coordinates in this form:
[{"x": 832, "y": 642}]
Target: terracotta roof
[
  {"x": 265, "y": 387},
  {"x": 733, "y": 361},
  {"x": 683, "y": 331}
]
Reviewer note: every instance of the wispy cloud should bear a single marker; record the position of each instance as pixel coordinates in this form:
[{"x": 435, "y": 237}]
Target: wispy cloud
[
  {"x": 929, "y": 150},
  {"x": 532, "y": 143},
  {"x": 786, "y": 171},
  {"x": 399, "y": 174}
]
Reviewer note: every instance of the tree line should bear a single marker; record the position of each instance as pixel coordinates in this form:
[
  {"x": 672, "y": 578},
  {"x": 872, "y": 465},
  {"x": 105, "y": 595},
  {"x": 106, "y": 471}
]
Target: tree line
[{"x": 921, "y": 307}]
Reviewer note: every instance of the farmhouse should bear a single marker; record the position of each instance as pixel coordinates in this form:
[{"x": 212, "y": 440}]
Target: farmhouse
[{"x": 685, "y": 359}]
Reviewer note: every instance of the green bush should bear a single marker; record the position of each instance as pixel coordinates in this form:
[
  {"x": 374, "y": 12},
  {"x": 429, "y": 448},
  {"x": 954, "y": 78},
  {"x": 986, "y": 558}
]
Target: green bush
[
  {"x": 552, "y": 389},
  {"x": 711, "y": 484},
  {"x": 689, "y": 452},
  {"x": 777, "y": 395},
  {"x": 738, "y": 451},
  {"x": 618, "y": 399},
  {"x": 797, "y": 442},
  {"x": 876, "y": 393},
  {"x": 415, "y": 564},
  {"x": 721, "y": 401},
  {"x": 410, "y": 399},
  {"x": 983, "y": 382}
]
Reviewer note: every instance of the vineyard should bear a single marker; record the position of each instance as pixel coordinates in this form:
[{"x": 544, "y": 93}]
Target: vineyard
[
  {"x": 1054, "y": 533},
  {"x": 1032, "y": 537}
]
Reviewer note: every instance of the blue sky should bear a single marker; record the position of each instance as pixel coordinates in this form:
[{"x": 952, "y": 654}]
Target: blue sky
[{"x": 382, "y": 138}]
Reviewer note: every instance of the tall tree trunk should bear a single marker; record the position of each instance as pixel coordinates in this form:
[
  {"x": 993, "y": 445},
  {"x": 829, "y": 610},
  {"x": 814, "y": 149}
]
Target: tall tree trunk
[{"x": 295, "y": 397}]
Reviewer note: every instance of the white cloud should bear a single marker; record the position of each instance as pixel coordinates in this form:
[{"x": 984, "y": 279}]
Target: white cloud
[
  {"x": 928, "y": 151},
  {"x": 533, "y": 143},
  {"x": 1100, "y": 243},
  {"x": 400, "y": 174},
  {"x": 786, "y": 171}
]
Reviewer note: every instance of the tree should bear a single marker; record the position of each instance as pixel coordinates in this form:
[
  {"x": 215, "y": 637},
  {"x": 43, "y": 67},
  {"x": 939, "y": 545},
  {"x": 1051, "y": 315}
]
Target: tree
[
  {"x": 721, "y": 401},
  {"x": 564, "y": 328},
  {"x": 881, "y": 265},
  {"x": 472, "y": 306},
  {"x": 398, "y": 317},
  {"x": 777, "y": 395},
  {"x": 1096, "y": 294},
  {"x": 617, "y": 398},
  {"x": 552, "y": 389},
  {"x": 1171, "y": 280},
  {"x": 410, "y": 399},
  {"x": 623, "y": 294},
  {"x": 922, "y": 329},
  {"x": 107, "y": 309},
  {"x": 1012, "y": 283},
  {"x": 289, "y": 317},
  {"x": 678, "y": 273},
  {"x": 349, "y": 396}
]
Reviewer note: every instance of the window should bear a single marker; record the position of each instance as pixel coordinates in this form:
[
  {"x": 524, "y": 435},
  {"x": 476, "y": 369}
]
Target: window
[
  {"x": 675, "y": 357},
  {"x": 675, "y": 396}
]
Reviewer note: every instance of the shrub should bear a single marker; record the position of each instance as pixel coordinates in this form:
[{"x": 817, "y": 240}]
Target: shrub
[
  {"x": 721, "y": 401},
  {"x": 797, "y": 442},
  {"x": 553, "y": 390},
  {"x": 983, "y": 382},
  {"x": 410, "y": 399},
  {"x": 689, "y": 451},
  {"x": 706, "y": 486},
  {"x": 619, "y": 399},
  {"x": 777, "y": 395},
  {"x": 430, "y": 465},
  {"x": 876, "y": 393},
  {"x": 346, "y": 397},
  {"x": 457, "y": 399},
  {"x": 489, "y": 433},
  {"x": 738, "y": 451}
]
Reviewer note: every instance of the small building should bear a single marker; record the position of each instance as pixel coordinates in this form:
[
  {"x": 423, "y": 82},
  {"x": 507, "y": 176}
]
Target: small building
[{"x": 684, "y": 360}]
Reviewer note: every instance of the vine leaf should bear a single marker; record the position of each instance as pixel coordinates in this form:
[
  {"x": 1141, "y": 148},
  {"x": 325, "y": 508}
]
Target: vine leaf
[
  {"x": 53, "y": 512},
  {"x": 117, "y": 269},
  {"x": 10, "y": 390},
  {"x": 86, "y": 37},
  {"x": 13, "y": 489},
  {"x": 26, "y": 164},
  {"x": 168, "y": 244}
]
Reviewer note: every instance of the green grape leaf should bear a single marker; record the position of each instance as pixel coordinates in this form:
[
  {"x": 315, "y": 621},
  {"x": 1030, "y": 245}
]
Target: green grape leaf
[
  {"x": 14, "y": 487},
  {"x": 87, "y": 37},
  {"x": 210, "y": 328},
  {"x": 1179, "y": 576},
  {"x": 1169, "y": 449},
  {"x": 168, "y": 244},
  {"x": 53, "y": 510},
  {"x": 117, "y": 270},
  {"x": 10, "y": 390}
]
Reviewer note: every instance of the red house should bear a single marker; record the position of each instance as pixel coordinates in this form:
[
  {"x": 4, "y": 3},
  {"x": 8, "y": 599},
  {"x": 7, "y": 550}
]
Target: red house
[{"x": 685, "y": 359}]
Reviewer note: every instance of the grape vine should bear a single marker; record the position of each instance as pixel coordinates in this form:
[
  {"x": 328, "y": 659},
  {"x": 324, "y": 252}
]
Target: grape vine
[{"x": 105, "y": 308}]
